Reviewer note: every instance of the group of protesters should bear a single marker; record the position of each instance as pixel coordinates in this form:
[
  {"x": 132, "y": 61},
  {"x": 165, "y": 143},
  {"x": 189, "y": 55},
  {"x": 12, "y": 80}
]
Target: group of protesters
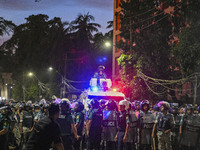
[{"x": 107, "y": 125}]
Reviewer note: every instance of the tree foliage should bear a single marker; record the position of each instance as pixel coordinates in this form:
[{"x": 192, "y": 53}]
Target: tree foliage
[
  {"x": 152, "y": 30},
  {"x": 186, "y": 51},
  {"x": 6, "y": 27},
  {"x": 42, "y": 42}
]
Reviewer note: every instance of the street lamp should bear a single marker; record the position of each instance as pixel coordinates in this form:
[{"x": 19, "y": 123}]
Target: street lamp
[
  {"x": 30, "y": 74},
  {"x": 107, "y": 44},
  {"x": 62, "y": 93},
  {"x": 50, "y": 68}
]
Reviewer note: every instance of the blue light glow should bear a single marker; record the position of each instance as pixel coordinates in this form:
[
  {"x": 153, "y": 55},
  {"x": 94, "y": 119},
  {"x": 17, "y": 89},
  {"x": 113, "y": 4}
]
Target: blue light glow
[
  {"x": 104, "y": 58},
  {"x": 95, "y": 89}
]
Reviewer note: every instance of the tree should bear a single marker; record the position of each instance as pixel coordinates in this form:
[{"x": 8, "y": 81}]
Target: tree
[
  {"x": 82, "y": 29},
  {"x": 6, "y": 26},
  {"x": 36, "y": 45},
  {"x": 186, "y": 50},
  {"x": 145, "y": 36}
]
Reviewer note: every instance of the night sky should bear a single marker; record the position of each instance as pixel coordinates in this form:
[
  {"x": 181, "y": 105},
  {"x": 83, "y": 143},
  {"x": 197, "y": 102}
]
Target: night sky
[{"x": 67, "y": 10}]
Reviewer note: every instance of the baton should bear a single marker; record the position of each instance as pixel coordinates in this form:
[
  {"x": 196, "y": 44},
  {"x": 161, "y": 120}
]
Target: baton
[{"x": 154, "y": 144}]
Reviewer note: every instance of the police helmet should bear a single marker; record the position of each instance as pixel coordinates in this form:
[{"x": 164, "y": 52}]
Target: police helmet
[
  {"x": 136, "y": 104},
  {"x": 101, "y": 68},
  {"x": 79, "y": 107},
  {"x": 28, "y": 104},
  {"x": 165, "y": 104},
  {"x": 5, "y": 110},
  {"x": 36, "y": 105},
  {"x": 94, "y": 103},
  {"x": 42, "y": 102},
  {"x": 174, "y": 108},
  {"x": 189, "y": 106},
  {"x": 156, "y": 108},
  {"x": 64, "y": 105},
  {"x": 102, "y": 101},
  {"x": 144, "y": 102},
  {"x": 111, "y": 105},
  {"x": 125, "y": 103}
]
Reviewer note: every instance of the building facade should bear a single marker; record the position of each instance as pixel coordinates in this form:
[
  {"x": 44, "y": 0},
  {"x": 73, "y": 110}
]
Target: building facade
[
  {"x": 116, "y": 39},
  {"x": 6, "y": 85}
]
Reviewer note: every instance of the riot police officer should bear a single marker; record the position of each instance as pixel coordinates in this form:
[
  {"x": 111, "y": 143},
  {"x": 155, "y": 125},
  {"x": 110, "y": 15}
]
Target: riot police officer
[
  {"x": 66, "y": 122},
  {"x": 189, "y": 129},
  {"x": 16, "y": 129},
  {"x": 94, "y": 125},
  {"x": 164, "y": 123},
  {"x": 146, "y": 122},
  {"x": 42, "y": 113},
  {"x": 175, "y": 138},
  {"x": 79, "y": 123},
  {"x": 122, "y": 125},
  {"x": 109, "y": 125},
  {"x": 26, "y": 123},
  {"x": 132, "y": 127},
  {"x": 4, "y": 127}
]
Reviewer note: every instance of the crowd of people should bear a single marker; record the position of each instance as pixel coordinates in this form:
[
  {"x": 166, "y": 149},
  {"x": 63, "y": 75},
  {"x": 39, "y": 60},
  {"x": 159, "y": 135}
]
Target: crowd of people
[{"x": 108, "y": 125}]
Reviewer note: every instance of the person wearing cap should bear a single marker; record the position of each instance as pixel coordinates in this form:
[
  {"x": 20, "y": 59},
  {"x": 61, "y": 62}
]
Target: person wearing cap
[
  {"x": 46, "y": 132},
  {"x": 100, "y": 73},
  {"x": 4, "y": 127},
  {"x": 164, "y": 124},
  {"x": 123, "y": 124}
]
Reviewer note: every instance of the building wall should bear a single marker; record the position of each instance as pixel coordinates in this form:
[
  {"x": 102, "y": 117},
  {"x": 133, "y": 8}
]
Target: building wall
[{"x": 116, "y": 38}]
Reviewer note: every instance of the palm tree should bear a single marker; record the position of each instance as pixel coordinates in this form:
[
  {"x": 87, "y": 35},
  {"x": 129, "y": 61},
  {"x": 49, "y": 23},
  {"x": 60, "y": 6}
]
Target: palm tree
[
  {"x": 6, "y": 26},
  {"x": 83, "y": 28},
  {"x": 110, "y": 24}
]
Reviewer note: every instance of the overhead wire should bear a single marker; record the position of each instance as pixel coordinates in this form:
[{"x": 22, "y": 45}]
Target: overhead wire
[{"x": 155, "y": 81}]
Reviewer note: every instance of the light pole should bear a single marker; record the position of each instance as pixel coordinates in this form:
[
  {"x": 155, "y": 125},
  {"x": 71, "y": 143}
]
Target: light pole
[
  {"x": 30, "y": 74},
  {"x": 62, "y": 90}
]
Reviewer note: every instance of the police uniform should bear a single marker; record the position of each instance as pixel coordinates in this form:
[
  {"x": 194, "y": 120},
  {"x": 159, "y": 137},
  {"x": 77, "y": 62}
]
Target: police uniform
[
  {"x": 146, "y": 122},
  {"x": 65, "y": 120},
  {"x": 121, "y": 126},
  {"x": 27, "y": 123},
  {"x": 175, "y": 138},
  {"x": 17, "y": 128},
  {"x": 132, "y": 118},
  {"x": 191, "y": 128},
  {"x": 109, "y": 129},
  {"x": 4, "y": 124},
  {"x": 94, "y": 139},
  {"x": 164, "y": 123},
  {"x": 79, "y": 119},
  {"x": 39, "y": 115}
]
